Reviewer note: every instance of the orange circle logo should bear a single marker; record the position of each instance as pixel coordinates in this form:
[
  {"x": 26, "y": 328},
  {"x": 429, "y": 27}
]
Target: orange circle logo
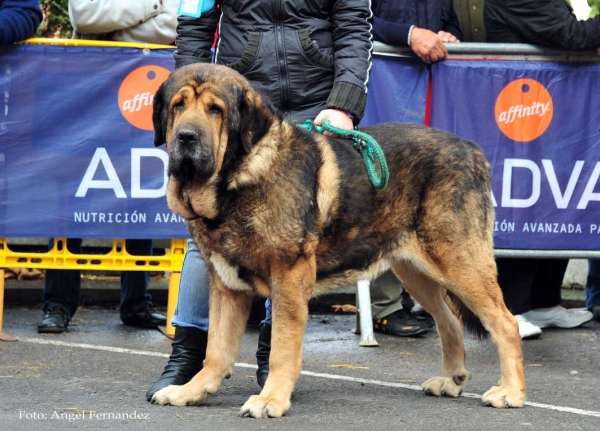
[
  {"x": 524, "y": 110},
  {"x": 136, "y": 94}
]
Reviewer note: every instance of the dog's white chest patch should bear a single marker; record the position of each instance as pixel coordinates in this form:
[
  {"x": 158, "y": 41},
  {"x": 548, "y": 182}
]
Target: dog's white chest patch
[{"x": 229, "y": 274}]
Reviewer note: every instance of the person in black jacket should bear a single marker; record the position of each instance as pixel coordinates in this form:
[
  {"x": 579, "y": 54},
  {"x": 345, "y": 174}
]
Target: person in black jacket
[
  {"x": 312, "y": 60},
  {"x": 532, "y": 287},
  {"x": 423, "y": 25},
  {"x": 549, "y": 23}
]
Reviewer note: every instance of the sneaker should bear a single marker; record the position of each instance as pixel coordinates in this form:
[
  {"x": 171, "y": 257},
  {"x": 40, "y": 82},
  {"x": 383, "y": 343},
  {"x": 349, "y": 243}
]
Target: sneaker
[
  {"x": 558, "y": 317},
  {"x": 55, "y": 321},
  {"x": 402, "y": 323},
  {"x": 596, "y": 312},
  {"x": 527, "y": 330}
]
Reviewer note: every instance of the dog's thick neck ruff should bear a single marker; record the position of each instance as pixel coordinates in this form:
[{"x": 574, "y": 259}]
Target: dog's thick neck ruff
[
  {"x": 254, "y": 167},
  {"x": 193, "y": 201}
]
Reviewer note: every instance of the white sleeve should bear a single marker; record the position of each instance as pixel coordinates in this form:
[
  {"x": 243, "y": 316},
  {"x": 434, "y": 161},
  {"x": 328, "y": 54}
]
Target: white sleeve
[
  {"x": 160, "y": 29},
  {"x": 105, "y": 16}
]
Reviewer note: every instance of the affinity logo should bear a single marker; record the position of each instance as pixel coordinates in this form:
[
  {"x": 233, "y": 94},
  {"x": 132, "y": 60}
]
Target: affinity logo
[
  {"x": 524, "y": 110},
  {"x": 136, "y": 95}
]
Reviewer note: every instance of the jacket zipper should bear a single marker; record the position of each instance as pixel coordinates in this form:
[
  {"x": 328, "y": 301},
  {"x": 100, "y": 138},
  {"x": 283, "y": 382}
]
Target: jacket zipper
[{"x": 281, "y": 60}]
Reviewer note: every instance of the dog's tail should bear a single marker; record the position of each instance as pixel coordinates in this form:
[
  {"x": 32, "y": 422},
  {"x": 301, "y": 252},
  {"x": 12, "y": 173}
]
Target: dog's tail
[{"x": 465, "y": 314}]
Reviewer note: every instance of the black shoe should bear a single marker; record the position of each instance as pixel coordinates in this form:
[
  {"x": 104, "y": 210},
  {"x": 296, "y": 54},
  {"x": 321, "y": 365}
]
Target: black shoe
[
  {"x": 402, "y": 323},
  {"x": 144, "y": 317},
  {"x": 262, "y": 354},
  {"x": 55, "y": 321},
  {"x": 188, "y": 351},
  {"x": 423, "y": 316},
  {"x": 596, "y": 312}
]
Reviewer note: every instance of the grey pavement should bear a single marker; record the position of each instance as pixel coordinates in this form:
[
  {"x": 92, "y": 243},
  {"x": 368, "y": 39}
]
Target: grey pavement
[{"x": 104, "y": 367}]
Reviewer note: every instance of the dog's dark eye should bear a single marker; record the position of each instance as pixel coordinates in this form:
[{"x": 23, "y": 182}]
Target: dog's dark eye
[
  {"x": 215, "y": 110},
  {"x": 179, "y": 105}
]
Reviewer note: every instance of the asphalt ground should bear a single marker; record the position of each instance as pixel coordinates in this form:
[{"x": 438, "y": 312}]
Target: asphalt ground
[{"x": 94, "y": 377}]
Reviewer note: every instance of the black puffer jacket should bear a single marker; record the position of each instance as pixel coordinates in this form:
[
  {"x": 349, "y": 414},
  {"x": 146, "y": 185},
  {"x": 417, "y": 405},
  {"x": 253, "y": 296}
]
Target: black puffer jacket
[
  {"x": 549, "y": 22},
  {"x": 300, "y": 53}
]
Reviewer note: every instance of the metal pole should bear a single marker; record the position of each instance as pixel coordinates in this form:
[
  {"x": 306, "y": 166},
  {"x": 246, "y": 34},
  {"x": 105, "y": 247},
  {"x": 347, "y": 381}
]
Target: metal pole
[
  {"x": 367, "y": 339},
  {"x": 496, "y": 51},
  {"x": 549, "y": 254}
]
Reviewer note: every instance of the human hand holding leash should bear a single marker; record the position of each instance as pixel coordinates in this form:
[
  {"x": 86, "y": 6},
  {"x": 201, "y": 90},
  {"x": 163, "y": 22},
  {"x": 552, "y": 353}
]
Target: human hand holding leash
[{"x": 336, "y": 118}]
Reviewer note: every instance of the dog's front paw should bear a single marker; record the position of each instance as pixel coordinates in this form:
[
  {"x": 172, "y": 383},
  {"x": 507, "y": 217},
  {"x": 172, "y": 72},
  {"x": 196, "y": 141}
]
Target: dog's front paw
[
  {"x": 502, "y": 397},
  {"x": 442, "y": 386},
  {"x": 178, "y": 396},
  {"x": 258, "y": 406}
]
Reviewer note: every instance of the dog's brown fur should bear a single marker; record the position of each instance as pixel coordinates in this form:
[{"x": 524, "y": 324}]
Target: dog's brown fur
[{"x": 285, "y": 213}]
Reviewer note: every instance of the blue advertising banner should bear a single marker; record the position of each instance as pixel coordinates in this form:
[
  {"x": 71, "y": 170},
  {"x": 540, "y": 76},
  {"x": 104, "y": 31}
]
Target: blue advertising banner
[
  {"x": 397, "y": 91},
  {"x": 76, "y": 143},
  {"x": 538, "y": 123},
  {"x": 77, "y": 160}
]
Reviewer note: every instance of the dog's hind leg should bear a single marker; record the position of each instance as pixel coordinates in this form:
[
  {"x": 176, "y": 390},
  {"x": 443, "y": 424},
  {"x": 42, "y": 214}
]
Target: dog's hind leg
[
  {"x": 229, "y": 312},
  {"x": 429, "y": 294},
  {"x": 291, "y": 288},
  {"x": 472, "y": 278}
]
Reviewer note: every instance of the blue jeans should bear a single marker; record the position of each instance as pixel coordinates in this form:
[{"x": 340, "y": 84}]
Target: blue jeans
[
  {"x": 192, "y": 303},
  {"x": 592, "y": 285},
  {"x": 62, "y": 287}
]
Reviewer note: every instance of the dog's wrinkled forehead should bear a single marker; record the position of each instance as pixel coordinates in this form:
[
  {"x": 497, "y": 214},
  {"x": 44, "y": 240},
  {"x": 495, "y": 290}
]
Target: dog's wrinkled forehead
[
  {"x": 217, "y": 89},
  {"x": 222, "y": 81}
]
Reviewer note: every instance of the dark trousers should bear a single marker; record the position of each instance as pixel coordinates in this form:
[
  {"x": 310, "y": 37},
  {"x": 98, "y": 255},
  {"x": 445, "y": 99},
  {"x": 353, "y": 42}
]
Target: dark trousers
[
  {"x": 62, "y": 288},
  {"x": 592, "y": 285},
  {"x": 531, "y": 283}
]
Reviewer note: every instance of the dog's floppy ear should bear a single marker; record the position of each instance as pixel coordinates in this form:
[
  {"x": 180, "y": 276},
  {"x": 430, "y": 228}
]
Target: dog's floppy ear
[
  {"x": 160, "y": 116},
  {"x": 256, "y": 116}
]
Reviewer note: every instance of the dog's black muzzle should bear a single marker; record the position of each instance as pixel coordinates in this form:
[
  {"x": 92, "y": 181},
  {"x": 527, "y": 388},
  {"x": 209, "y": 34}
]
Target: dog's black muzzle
[{"x": 191, "y": 156}]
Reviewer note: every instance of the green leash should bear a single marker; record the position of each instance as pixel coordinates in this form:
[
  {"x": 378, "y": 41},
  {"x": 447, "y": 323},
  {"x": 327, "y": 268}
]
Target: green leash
[{"x": 364, "y": 144}]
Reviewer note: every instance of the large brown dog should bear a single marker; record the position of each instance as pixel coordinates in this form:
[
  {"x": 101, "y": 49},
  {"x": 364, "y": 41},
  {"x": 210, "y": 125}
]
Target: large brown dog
[{"x": 285, "y": 213}]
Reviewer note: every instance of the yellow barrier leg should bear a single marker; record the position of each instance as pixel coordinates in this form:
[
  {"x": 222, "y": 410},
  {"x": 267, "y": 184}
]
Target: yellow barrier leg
[
  {"x": 174, "y": 279},
  {"x": 3, "y": 336},
  {"x": 1, "y": 297}
]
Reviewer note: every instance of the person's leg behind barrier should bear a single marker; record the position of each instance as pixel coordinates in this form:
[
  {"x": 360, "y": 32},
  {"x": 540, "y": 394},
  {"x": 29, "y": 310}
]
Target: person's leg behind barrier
[
  {"x": 546, "y": 311},
  {"x": 62, "y": 293},
  {"x": 547, "y": 283},
  {"x": 515, "y": 277},
  {"x": 190, "y": 320},
  {"x": 389, "y": 315},
  {"x": 592, "y": 288},
  {"x": 136, "y": 302}
]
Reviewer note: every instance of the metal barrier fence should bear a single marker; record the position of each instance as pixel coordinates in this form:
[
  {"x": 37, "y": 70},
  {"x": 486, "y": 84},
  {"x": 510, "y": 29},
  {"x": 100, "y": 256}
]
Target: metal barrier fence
[
  {"x": 117, "y": 259},
  {"x": 511, "y": 52}
]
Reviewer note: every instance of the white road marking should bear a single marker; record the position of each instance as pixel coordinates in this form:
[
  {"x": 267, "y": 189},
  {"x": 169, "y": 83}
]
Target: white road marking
[{"x": 305, "y": 373}]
